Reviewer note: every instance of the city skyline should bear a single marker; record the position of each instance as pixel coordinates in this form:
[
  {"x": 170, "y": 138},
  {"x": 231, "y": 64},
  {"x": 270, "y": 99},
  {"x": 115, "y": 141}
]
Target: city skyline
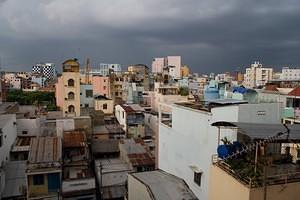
[{"x": 209, "y": 35}]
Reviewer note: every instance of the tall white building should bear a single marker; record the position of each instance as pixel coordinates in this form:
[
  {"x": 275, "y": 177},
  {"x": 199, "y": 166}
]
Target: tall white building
[
  {"x": 105, "y": 69},
  {"x": 47, "y": 70},
  {"x": 256, "y": 75},
  {"x": 187, "y": 142},
  {"x": 290, "y": 74},
  {"x": 172, "y": 62}
]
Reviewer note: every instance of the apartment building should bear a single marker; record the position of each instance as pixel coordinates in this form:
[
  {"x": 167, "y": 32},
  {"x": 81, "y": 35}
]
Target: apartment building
[
  {"x": 290, "y": 73},
  {"x": 172, "y": 62},
  {"x": 257, "y": 75},
  {"x": 47, "y": 70}
]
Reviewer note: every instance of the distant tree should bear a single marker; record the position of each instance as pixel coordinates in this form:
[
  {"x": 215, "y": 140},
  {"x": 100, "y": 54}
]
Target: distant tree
[
  {"x": 37, "y": 98},
  {"x": 184, "y": 91}
]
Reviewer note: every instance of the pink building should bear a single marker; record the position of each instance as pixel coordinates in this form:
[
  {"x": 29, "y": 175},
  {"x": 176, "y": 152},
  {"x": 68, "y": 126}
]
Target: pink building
[
  {"x": 101, "y": 85},
  {"x": 158, "y": 64},
  {"x": 59, "y": 93},
  {"x": 174, "y": 61}
]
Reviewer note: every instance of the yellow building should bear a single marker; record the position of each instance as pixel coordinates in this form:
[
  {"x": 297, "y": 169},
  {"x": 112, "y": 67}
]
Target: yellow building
[
  {"x": 184, "y": 70},
  {"x": 43, "y": 169},
  {"x": 223, "y": 185},
  {"x": 105, "y": 104},
  {"x": 68, "y": 89}
]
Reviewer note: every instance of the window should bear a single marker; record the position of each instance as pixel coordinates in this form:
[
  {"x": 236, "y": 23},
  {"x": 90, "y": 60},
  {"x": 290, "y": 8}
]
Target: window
[
  {"x": 24, "y": 132},
  {"x": 104, "y": 87},
  {"x": 105, "y": 106},
  {"x": 123, "y": 113},
  {"x": 38, "y": 179},
  {"x": 71, "y": 95},
  {"x": 71, "y": 83},
  {"x": 89, "y": 93},
  {"x": 197, "y": 178},
  {"x": 86, "y": 105},
  {"x": 71, "y": 109}
]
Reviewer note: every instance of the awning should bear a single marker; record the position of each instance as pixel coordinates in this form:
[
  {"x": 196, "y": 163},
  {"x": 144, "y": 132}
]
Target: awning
[{"x": 262, "y": 131}]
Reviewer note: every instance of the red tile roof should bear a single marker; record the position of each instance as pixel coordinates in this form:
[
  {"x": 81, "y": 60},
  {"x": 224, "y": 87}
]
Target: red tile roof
[{"x": 295, "y": 92}]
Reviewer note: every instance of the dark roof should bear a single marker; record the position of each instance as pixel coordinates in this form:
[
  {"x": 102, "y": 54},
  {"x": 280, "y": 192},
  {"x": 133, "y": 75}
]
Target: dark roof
[
  {"x": 105, "y": 146},
  {"x": 127, "y": 108},
  {"x": 263, "y": 131},
  {"x": 101, "y": 97}
]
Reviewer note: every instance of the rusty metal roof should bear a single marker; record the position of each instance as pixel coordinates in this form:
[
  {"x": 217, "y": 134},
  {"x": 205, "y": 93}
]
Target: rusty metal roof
[
  {"x": 74, "y": 139},
  {"x": 141, "y": 159}
]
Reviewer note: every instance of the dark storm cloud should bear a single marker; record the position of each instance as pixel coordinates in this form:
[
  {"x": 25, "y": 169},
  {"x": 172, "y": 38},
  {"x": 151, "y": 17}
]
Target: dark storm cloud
[{"x": 211, "y": 35}]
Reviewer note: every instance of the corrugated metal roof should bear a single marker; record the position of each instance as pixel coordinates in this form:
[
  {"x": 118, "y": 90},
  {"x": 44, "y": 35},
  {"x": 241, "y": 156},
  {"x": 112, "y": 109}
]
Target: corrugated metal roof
[
  {"x": 74, "y": 139},
  {"x": 45, "y": 150}
]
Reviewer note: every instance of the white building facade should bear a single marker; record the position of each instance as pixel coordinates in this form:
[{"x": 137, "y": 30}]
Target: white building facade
[
  {"x": 257, "y": 75},
  {"x": 186, "y": 146},
  {"x": 290, "y": 74},
  {"x": 105, "y": 68}
]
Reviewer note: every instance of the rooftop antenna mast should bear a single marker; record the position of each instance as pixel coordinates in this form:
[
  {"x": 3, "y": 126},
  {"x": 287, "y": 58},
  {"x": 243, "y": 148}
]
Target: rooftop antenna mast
[{"x": 87, "y": 71}]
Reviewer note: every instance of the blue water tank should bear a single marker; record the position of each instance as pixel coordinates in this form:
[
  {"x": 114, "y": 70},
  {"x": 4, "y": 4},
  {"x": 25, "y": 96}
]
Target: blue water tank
[
  {"x": 222, "y": 151},
  {"x": 211, "y": 93}
]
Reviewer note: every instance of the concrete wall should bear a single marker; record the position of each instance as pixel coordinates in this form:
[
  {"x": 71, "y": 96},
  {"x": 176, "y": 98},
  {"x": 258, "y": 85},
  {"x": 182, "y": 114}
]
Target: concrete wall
[
  {"x": 64, "y": 125},
  {"x": 269, "y": 113},
  {"x": 31, "y": 126},
  {"x": 137, "y": 190},
  {"x": 59, "y": 92},
  {"x": 272, "y": 97},
  {"x": 101, "y": 85},
  {"x": 84, "y": 100},
  {"x": 110, "y": 106},
  {"x": 224, "y": 186},
  {"x": 277, "y": 192},
  {"x": 9, "y": 135}
]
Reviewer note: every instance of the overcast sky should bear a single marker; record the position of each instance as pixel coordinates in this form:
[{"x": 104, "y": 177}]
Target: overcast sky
[{"x": 210, "y": 35}]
